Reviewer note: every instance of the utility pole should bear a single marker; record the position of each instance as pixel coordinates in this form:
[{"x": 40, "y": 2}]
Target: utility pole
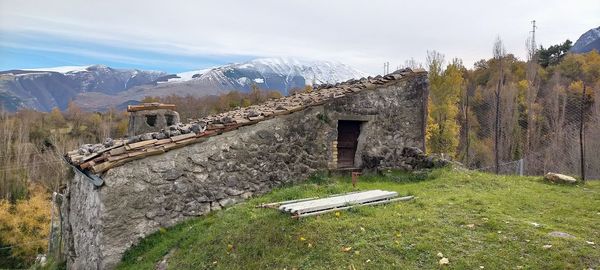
[
  {"x": 533, "y": 47},
  {"x": 532, "y": 88}
]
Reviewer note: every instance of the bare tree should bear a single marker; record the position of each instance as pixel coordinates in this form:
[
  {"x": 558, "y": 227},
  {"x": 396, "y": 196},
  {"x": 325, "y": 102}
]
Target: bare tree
[{"x": 412, "y": 64}]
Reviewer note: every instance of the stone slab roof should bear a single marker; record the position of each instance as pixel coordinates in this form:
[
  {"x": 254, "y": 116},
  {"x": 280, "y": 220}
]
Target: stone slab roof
[{"x": 98, "y": 158}]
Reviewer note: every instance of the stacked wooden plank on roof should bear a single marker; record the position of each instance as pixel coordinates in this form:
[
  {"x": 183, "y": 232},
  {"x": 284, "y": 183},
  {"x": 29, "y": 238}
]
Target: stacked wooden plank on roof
[{"x": 150, "y": 106}]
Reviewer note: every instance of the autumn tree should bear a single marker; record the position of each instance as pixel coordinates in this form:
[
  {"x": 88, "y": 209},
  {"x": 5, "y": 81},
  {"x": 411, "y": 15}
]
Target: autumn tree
[
  {"x": 444, "y": 94},
  {"x": 25, "y": 225}
]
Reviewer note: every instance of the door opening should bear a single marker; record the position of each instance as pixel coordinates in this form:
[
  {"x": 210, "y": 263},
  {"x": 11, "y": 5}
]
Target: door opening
[{"x": 347, "y": 141}]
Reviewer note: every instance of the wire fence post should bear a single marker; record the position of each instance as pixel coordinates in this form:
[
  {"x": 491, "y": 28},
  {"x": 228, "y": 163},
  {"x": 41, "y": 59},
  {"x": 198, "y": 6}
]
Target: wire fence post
[
  {"x": 520, "y": 167},
  {"x": 467, "y": 131},
  {"x": 582, "y": 133},
  {"x": 497, "y": 133}
]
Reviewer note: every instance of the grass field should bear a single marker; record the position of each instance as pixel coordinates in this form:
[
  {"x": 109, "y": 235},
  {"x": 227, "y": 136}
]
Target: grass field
[{"x": 476, "y": 220}]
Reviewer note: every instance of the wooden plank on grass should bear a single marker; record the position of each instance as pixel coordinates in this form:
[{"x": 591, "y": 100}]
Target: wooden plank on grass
[
  {"x": 340, "y": 201},
  {"x": 331, "y": 199},
  {"x": 407, "y": 198}
]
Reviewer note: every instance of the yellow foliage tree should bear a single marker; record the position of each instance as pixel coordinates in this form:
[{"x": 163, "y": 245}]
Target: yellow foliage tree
[
  {"x": 445, "y": 89},
  {"x": 25, "y": 225},
  {"x": 57, "y": 118}
]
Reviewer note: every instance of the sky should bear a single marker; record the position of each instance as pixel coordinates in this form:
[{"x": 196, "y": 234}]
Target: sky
[{"x": 176, "y": 36}]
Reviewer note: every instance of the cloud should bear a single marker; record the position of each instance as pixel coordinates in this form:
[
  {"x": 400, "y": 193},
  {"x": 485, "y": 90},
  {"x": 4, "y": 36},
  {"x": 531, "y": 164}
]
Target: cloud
[{"x": 361, "y": 33}]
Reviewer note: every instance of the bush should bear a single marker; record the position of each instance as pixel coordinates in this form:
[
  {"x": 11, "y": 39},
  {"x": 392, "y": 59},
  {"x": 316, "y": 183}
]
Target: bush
[{"x": 25, "y": 226}]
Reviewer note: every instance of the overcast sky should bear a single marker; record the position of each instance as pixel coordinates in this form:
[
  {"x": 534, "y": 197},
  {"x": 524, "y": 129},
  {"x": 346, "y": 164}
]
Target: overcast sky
[{"x": 177, "y": 36}]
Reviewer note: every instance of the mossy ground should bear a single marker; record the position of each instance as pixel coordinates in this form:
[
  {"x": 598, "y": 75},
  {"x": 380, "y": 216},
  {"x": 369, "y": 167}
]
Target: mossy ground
[{"x": 475, "y": 219}]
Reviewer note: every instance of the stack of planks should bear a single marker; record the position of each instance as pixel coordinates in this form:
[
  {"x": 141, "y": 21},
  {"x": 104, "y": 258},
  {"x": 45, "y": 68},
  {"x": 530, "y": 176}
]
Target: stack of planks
[
  {"x": 150, "y": 106},
  {"x": 122, "y": 152},
  {"x": 314, "y": 206}
]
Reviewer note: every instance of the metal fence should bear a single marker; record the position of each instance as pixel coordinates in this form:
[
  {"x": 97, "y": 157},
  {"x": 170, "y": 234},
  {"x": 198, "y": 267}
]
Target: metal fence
[{"x": 519, "y": 132}]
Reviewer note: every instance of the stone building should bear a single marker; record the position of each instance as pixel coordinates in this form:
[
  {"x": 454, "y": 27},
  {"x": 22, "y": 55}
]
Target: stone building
[
  {"x": 149, "y": 117},
  {"x": 126, "y": 189}
]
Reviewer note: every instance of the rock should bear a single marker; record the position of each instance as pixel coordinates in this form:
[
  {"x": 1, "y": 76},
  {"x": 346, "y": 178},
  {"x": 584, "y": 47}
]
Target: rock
[
  {"x": 173, "y": 174},
  {"x": 233, "y": 192},
  {"x": 252, "y": 113},
  {"x": 412, "y": 152},
  {"x": 146, "y": 136},
  {"x": 108, "y": 142},
  {"x": 227, "y": 202},
  {"x": 226, "y": 120},
  {"x": 185, "y": 129},
  {"x": 159, "y": 135},
  {"x": 197, "y": 128},
  {"x": 444, "y": 261},
  {"x": 559, "y": 178},
  {"x": 96, "y": 148},
  {"x": 416, "y": 159},
  {"x": 561, "y": 234},
  {"x": 371, "y": 161},
  {"x": 133, "y": 139}
]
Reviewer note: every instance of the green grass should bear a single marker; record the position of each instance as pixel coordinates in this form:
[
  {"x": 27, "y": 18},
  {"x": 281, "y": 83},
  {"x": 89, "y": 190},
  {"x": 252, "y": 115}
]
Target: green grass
[{"x": 474, "y": 219}]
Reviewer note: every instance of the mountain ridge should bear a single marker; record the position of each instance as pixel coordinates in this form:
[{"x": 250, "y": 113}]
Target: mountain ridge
[
  {"x": 588, "y": 41},
  {"x": 99, "y": 87}
]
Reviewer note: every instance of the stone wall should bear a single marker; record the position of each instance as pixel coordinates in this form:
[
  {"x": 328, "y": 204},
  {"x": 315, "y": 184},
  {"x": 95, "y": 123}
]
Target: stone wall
[
  {"x": 143, "y": 195},
  {"x": 144, "y": 121}
]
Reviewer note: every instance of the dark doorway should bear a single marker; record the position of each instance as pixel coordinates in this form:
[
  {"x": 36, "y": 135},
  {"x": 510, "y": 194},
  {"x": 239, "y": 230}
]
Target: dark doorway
[{"x": 348, "y": 132}]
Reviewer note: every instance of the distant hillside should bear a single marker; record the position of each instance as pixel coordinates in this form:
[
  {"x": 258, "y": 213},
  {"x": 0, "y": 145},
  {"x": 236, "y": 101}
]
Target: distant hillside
[
  {"x": 589, "y": 41},
  {"x": 46, "y": 88},
  {"x": 281, "y": 74},
  {"x": 100, "y": 87}
]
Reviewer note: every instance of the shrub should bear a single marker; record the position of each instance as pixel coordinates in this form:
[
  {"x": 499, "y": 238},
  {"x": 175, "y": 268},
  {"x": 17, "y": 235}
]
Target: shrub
[{"x": 25, "y": 225}]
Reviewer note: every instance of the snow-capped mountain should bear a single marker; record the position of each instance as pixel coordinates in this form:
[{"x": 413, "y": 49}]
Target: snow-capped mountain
[
  {"x": 45, "y": 88},
  {"x": 61, "y": 69},
  {"x": 279, "y": 73},
  {"x": 589, "y": 41},
  {"x": 100, "y": 87}
]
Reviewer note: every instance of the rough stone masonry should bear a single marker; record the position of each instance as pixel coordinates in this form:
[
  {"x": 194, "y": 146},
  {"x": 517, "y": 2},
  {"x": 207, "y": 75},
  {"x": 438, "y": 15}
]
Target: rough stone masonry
[{"x": 144, "y": 194}]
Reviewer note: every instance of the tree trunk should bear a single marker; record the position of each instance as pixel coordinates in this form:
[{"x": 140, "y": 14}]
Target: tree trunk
[{"x": 497, "y": 133}]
